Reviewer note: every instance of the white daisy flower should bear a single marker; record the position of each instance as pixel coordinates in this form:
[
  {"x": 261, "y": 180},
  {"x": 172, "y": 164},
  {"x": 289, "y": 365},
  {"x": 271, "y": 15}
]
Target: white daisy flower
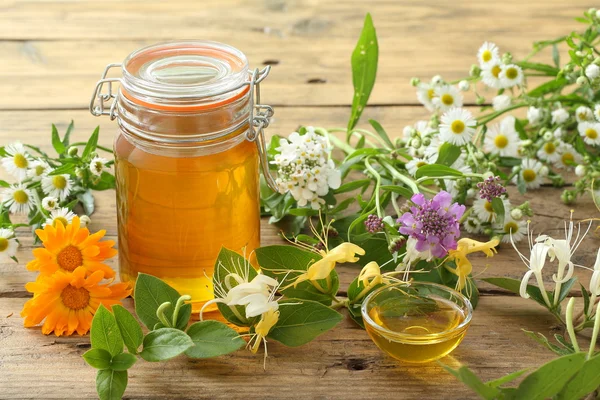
[
  {"x": 458, "y": 126},
  {"x": 425, "y": 95},
  {"x": 413, "y": 165},
  {"x": 502, "y": 138},
  {"x": 61, "y": 215},
  {"x": 597, "y": 112},
  {"x": 584, "y": 114},
  {"x": 487, "y": 54},
  {"x": 18, "y": 199},
  {"x": 560, "y": 116},
  {"x": 16, "y": 161},
  {"x": 37, "y": 170},
  {"x": 558, "y": 133},
  {"x": 511, "y": 75},
  {"x": 568, "y": 156},
  {"x": 8, "y": 244},
  {"x": 49, "y": 203},
  {"x": 590, "y": 131},
  {"x": 501, "y": 102},
  {"x": 423, "y": 129},
  {"x": 97, "y": 165},
  {"x": 58, "y": 186},
  {"x": 534, "y": 115},
  {"x": 592, "y": 71},
  {"x": 532, "y": 173},
  {"x": 549, "y": 152},
  {"x": 490, "y": 74},
  {"x": 473, "y": 225},
  {"x": 485, "y": 212},
  {"x": 511, "y": 227},
  {"x": 447, "y": 97}
]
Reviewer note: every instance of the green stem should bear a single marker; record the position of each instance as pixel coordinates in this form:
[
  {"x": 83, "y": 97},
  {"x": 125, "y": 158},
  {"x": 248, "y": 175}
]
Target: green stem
[
  {"x": 178, "y": 306},
  {"x": 570, "y": 328},
  {"x": 405, "y": 179},
  {"x": 345, "y": 147},
  {"x": 377, "y": 185},
  {"x": 594, "y": 333},
  {"x": 235, "y": 312},
  {"x": 98, "y": 146},
  {"x": 160, "y": 313}
]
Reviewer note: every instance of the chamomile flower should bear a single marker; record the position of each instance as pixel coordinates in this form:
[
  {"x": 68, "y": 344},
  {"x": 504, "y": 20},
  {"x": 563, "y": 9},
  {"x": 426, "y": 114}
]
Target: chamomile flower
[
  {"x": 559, "y": 116},
  {"x": 568, "y": 156},
  {"x": 413, "y": 165},
  {"x": 592, "y": 71},
  {"x": 511, "y": 75},
  {"x": 49, "y": 203},
  {"x": 534, "y": 115},
  {"x": 501, "y": 102},
  {"x": 510, "y": 227},
  {"x": 97, "y": 165},
  {"x": 458, "y": 126},
  {"x": 58, "y": 186},
  {"x": 590, "y": 131},
  {"x": 18, "y": 199},
  {"x": 37, "y": 170},
  {"x": 425, "y": 95},
  {"x": 502, "y": 138},
  {"x": 487, "y": 54},
  {"x": 473, "y": 225},
  {"x": 549, "y": 151},
  {"x": 447, "y": 97},
  {"x": 490, "y": 74},
  {"x": 532, "y": 173},
  {"x": 61, "y": 215},
  {"x": 16, "y": 161},
  {"x": 584, "y": 114},
  {"x": 8, "y": 244},
  {"x": 485, "y": 212},
  {"x": 597, "y": 112}
]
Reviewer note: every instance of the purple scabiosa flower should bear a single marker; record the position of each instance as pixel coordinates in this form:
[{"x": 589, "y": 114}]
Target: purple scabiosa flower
[
  {"x": 491, "y": 188},
  {"x": 433, "y": 223},
  {"x": 374, "y": 224}
]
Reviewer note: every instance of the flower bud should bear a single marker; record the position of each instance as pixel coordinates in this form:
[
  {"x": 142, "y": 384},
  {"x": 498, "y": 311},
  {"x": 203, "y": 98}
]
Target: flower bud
[
  {"x": 548, "y": 136},
  {"x": 580, "y": 53},
  {"x": 426, "y": 141},
  {"x": 437, "y": 80},
  {"x": 85, "y": 221},
  {"x": 526, "y": 209},
  {"x": 597, "y": 61},
  {"x": 415, "y": 82},
  {"x": 416, "y": 142},
  {"x": 544, "y": 170},
  {"x": 463, "y": 85},
  {"x": 479, "y": 100},
  {"x": 479, "y": 155},
  {"x": 592, "y": 11},
  {"x": 580, "y": 170},
  {"x": 491, "y": 166},
  {"x": 567, "y": 197},
  {"x": 79, "y": 172},
  {"x": 581, "y": 81},
  {"x": 487, "y": 175},
  {"x": 507, "y": 58},
  {"x": 72, "y": 151},
  {"x": 568, "y": 68},
  {"x": 471, "y": 193},
  {"x": 475, "y": 70},
  {"x": 396, "y": 244},
  {"x": 516, "y": 214}
]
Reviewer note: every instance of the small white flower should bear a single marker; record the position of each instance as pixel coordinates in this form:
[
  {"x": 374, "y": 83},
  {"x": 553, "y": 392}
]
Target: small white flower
[
  {"x": 592, "y": 71},
  {"x": 413, "y": 165},
  {"x": 580, "y": 170},
  {"x": 502, "y": 138},
  {"x": 485, "y": 212},
  {"x": 61, "y": 215},
  {"x": 557, "y": 134},
  {"x": 511, "y": 227},
  {"x": 17, "y": 160},
  {"x": 516, "y": 214},
  {"x": 487, "y": 54},
  {"x": 549, "y": 152},
  {"x": 568, "y": 157},
  {"x": 597, "y": 112},
  {"x": 37, "y": 170},
  {"x": 437, "y": 80},
  {"x": 425, "y": 95},
  {"x": 511, "y": 75},
  {"x": 97, "y": 165},
  {"x": 447, "y": 97},
  {"x": 490, "y": 74},
  {"x": 532, "y": 173},
  {"x": 49, "y": 203},
  {"x": 590, "y": 132},
  {"x": 501, "y": 102},
  {"x": 559, "y": 116},
  {"x": 18, "y": 199},
  {"x": 8, "y": 244},
  {"x": 58, "y": 186},
  {"x": 463, "y": 85},
  {"x": 534, "y": 115},
  {"x": 473, "y": 225},
  {"x": 584, "y": 114},
  {"x": 458, "y": 126}
]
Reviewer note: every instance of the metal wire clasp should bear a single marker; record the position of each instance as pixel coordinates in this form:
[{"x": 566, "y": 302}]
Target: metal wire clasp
[{"x": 98, "y": 104}]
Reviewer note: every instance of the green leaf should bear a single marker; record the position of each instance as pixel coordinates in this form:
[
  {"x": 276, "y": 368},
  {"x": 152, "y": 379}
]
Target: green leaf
[
  {"x": 507, "y": 378},
  {"x": 448, "y": 154},
  {"x": 520, "y": 128},
  {"x": 110, "y": 384},
  {"x": 67, "y": 138},
  {"x": 63, "y": 169},
  {"x": 4, "y": 184},
  {"x": 584, "y": 382},
  {"x": 550, "y": 378},
  {"x": 401, "y": 190},
  {"x": 105, "y": 333},
  {"x": 565, "y": 289},
  {"x": 433, "y": 170},
  {"x": 56, "y": 143},
  {"x": 106, "y": 181},
  {"x": 91, "y": 144},
  {"x": 352, "y": 185},
  {"x": 123, "y": 361},
  {"x": 548, "y": 87},
  {"x": 212, "y": 339},
  {"x": 303, "y": 212},
  {"x": 543, "y": 68},
  {"x": 130, "y": 329},
  {"x": 364, "y": 70},
  {"x": 514, "y": 285},
  {"x": 381, "y": 132},
  {"x": 97, "y": 358},
  {"x": 541, "y": 339},
  {"x": 300, "y": 321},
  {"x": 466, "y": 376},
  {"x": 498, "y": 207},
  {"x": 164, "y": 344},
  {"x": 87, "y": 200},
  {"x": 150, "y": 293},
  {"x": 586, "y": 298},
  {"x": 555, "y": 55}
]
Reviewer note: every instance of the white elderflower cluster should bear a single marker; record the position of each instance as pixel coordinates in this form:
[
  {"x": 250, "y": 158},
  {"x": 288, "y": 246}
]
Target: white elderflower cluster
[{"x": 305, "y": 168}]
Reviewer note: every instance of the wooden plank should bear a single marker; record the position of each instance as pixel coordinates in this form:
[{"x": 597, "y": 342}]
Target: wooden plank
[
  {"x": 341, "y": 364},
  {"x": 54, "y": 52}
]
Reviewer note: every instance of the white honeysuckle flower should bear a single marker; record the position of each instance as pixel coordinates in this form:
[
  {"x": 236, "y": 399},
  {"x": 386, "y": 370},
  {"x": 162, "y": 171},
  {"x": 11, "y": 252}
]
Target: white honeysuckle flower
[
  {"x": 502, "y": 138},
  {"x": 37, "y": 170},
  {"x": 490, "y": 74},
  {"x": 511, "y": 75},
  {"x": 487, "y": 54},
  {"x": 62, "y": 215},
  {"x": 447, "y": 97},
  {"x": 549, "y": 151},
  {"x": 597, "y": 112},
  {"x": 58, "y": 186},
  {"x": 49, "y": 203},
  {"x": 535, "y": 263},
  {"x": 18, "y": 199},
  {"x": 568, "y": 157},
  {"x": 595, "y": 280},
  {"x": 512, "y": 230},
  {"x": 584, "y": 114},
  {"x": 559, "y": 116},
  {"x": 458, "y": 126},
  {"x": 534, "y": 115},
  {"x": 97, "y": 165},
  {"x": 592, "y": 71},
  {"x": 501, "y": 102},
  {"x": 532, "y": 173},
  {"x": 590, "y": 132},
  {"x": 425, "y": 95},
  {"x": 8, "y": 244},
  {"x": 17, "y": 160}
]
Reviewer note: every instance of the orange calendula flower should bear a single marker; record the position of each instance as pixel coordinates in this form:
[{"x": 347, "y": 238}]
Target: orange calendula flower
[
  {"x": 69, "y": 246},
  {"x": 67, "y": 301}
]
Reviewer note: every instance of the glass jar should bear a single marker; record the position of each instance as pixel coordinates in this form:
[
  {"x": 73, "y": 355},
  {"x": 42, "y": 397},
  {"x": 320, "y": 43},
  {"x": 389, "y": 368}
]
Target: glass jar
[{"x": 187, "y": 156}]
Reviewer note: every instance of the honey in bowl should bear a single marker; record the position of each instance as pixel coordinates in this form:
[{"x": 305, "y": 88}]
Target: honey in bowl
[{"x": 417, "y": 322}]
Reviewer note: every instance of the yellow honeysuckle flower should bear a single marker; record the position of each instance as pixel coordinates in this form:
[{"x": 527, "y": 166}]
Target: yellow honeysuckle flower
[
  {"x": 370, "y": 271},
  {"x": 464, "y": 247},
  {"x": 263, "y": 327}
]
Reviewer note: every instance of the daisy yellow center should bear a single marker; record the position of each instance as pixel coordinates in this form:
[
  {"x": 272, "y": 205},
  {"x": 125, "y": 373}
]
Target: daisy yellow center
[
  {"x": 20, "y": 196},
  {"x": 549, "y": 148},
  {"x": 591, "y": 133},
  {"x": 511, "y": 227},
  {"x": 39, "y": 170},
  {"x": 457, "y": 126},
  {"x": 421, "y": 163},
  {"x": 496, "y": 70},
  {"x": 501, "y": 141},
  {"x": 568, "y": 158},
  {"x": 59, "y": 182},
  {"x": 488, "y": 207},
  {"x": 75, "y": 298},
  {"x": 512, "y": 73},
  {"x": 583, "y": 116},
  {"x": 62, "y": 220},
  {"x": 20, "y": 161},
  {"x": 3, "y": 244},
  {"x": 447, "y": 99},
  {"x": 430, "y": 93},
  {"x": 69, "y": 258},
  {"x": 486, "y": 56},
  {"x": 529, "y": 175}
]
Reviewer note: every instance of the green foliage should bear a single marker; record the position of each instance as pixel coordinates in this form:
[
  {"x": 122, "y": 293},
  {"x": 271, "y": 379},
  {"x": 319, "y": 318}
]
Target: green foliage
[
  {"x": 130, "y": 329},
  {"x": 105, "y": 333},
  {"x": 111, "y": 384},
  {"x": 165, "y": 343},
  {"x": 150, "y": 293},
  {"x": 212, "y": 339}
]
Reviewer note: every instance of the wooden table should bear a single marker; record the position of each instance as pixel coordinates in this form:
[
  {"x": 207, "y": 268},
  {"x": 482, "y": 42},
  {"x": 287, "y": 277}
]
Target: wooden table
[{"x": 54, "y": 51}]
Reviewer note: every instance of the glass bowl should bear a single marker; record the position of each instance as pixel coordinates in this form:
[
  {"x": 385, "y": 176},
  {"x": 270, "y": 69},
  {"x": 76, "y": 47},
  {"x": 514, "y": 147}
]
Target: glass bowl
[{"x": 416, "y": 322}]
